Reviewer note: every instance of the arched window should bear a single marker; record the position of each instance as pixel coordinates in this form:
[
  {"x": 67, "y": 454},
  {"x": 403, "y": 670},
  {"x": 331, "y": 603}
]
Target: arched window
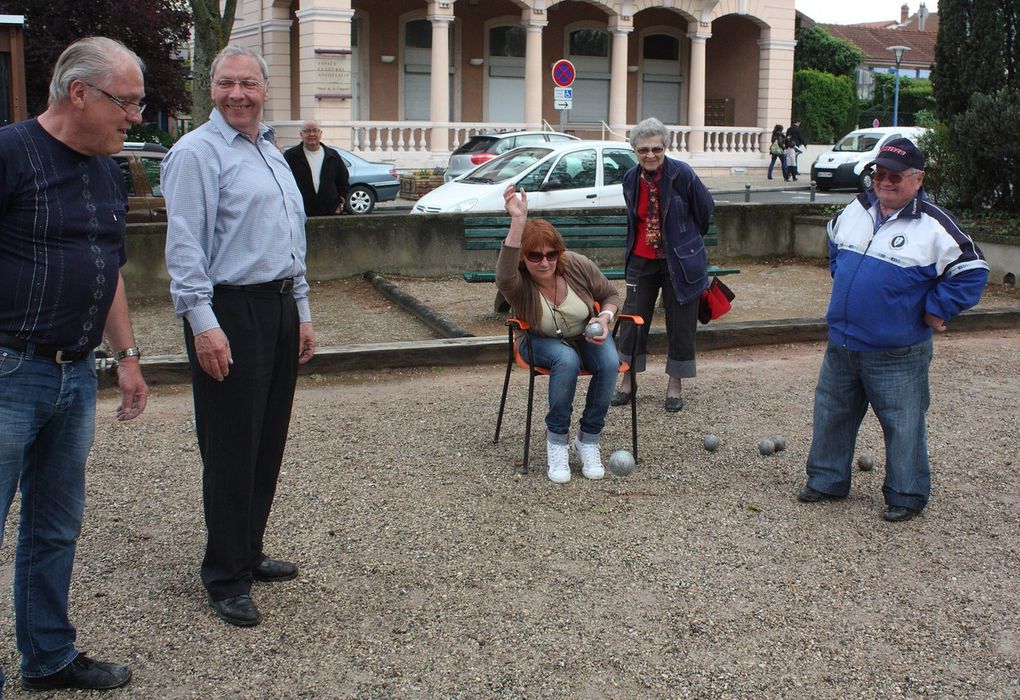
[
  {"x": 661, "y": 78},
  {"x": 505, "y": 73}
]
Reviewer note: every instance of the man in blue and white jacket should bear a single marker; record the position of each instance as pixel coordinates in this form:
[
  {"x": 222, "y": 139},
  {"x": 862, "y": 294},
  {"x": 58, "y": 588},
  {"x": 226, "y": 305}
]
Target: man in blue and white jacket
[{"x": 901, "y": 267}]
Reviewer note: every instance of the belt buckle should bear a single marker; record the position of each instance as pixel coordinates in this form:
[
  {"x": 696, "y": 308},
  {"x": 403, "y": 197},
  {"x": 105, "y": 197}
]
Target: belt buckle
[
  {"x": 59, "y": 358},
  {"x": 287, "y": 285}
]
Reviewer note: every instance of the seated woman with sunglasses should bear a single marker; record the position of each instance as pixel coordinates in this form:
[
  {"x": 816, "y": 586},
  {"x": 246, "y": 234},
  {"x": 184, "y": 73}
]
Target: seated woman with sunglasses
[{"x": 555, "y": 291}]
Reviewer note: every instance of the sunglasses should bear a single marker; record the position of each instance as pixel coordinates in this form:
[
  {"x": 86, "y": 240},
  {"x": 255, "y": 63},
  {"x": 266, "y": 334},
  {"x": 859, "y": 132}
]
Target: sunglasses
[
  {"x": 894, "y": 178},
  {"x": 644, "y": 151},
  {"x": 537, "y": 256}
]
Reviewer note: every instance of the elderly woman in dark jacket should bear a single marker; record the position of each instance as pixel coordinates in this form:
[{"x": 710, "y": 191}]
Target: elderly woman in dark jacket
[
  {"x": 668, "y": 213},
  {"x": 555, "y": 291}
]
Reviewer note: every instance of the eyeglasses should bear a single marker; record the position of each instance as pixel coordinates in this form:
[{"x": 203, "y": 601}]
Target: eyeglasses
[
  {"x": 246, "y": 84},
  {"x": 130, "y": 108},
  {"x": 311, "y": 131},
  {"x": 894, "y": 178},
  {"x": 537, "y": 256},
  {"x": 644, "y": 150}
]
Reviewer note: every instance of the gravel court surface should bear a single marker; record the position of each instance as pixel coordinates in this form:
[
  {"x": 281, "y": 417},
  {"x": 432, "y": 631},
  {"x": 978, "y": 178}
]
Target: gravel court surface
[{"x": 431, "y": 569}]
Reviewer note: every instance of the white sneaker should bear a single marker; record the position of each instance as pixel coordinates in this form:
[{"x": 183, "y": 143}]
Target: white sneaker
[
  {"x": 591, "y": 458},
  {"x": 559, "y": 462}
]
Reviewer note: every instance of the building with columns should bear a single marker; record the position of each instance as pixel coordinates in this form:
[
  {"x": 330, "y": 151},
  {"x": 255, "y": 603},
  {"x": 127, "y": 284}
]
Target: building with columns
[{"x": 406, "y": 81}]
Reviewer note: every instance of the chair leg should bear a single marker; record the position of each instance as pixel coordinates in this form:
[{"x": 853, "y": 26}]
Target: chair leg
[
  {"x": 527, "y": 427},
  {"x": 506, "y": 385},
  {"x": 633, "y": 395}
]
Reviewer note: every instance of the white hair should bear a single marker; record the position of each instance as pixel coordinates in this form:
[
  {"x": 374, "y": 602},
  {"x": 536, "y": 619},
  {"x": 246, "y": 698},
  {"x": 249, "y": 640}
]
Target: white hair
[
  {"x": 229, "y": 51},
  {"x": 90, "y": 60}
]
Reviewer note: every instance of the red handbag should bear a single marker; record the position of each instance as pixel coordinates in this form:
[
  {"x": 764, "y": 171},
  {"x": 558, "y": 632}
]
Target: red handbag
[{"x": 715, "y": 301}]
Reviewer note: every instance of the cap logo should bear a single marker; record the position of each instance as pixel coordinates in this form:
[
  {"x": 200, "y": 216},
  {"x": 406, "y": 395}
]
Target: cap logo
[{"x": 893, "y": 149}]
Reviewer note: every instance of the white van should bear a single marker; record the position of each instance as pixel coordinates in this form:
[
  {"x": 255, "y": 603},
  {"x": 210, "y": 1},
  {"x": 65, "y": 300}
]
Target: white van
[{"x": 845, "y": 165}]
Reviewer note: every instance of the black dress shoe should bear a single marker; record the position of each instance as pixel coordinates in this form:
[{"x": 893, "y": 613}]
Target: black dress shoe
[
  {"x": 83, "y": 672},
  {"x": 898, "y": 514},
  {"x": 271, "y": 570},
  {"x": 238, "y": 610},
  {"x": 620, "y": 398},
  {"x": 810, "y": 495},
  {"x": 674, "y": 403}
]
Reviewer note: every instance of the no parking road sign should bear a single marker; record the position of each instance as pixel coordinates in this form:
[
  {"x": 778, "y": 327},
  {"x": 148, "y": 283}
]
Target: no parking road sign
[{"x": 563, "y": 73}]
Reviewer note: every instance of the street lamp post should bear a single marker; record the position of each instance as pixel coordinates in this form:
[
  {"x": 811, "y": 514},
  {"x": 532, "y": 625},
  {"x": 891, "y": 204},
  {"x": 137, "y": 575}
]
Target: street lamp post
[{"x": 898, "y": 54}]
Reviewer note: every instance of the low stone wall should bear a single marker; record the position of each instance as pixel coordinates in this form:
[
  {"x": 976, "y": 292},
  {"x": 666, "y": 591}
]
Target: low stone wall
[{"x": 433, "y": 246}]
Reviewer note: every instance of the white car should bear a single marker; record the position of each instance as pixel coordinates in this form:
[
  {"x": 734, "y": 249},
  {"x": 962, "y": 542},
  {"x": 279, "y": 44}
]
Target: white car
[
  {"x": 846, "y": 164},
  {"x": 569, "y": 175}
]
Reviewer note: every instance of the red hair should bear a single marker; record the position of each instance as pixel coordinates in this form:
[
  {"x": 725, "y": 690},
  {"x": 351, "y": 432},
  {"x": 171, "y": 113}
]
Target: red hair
[{"x": 539, "y": 235}]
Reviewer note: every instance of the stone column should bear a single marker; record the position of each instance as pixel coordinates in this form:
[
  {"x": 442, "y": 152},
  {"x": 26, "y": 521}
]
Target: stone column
[
  {"x": 618, "y": 78},
  {"x": 533, "y": 77},
  {"x": 323, "y": 29},
  {"x": 439, "y": 100},
  {"x": 699, "y": 35},
  {"x": 775, "y": 87}
]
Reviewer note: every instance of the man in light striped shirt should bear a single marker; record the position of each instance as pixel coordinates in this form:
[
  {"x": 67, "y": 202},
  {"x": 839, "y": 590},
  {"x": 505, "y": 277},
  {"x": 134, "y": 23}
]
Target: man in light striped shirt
[{"x": 236, "y": 255}]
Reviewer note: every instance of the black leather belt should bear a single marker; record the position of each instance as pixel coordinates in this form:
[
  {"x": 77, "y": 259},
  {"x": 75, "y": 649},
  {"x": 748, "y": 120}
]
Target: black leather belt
[
  {"x": 284, "y": 286},
  {"x": 44, "y": 351}
]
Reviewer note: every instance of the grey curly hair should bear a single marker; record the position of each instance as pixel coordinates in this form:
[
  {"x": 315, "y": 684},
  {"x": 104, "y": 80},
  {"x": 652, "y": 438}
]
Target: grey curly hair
[{"x": 649, "y": 128}]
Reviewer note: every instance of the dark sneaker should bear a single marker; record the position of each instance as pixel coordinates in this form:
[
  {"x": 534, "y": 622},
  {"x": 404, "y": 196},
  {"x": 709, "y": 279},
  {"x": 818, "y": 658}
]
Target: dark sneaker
[
  {"x": 810, "y": 495},
  {"x": 898, "y": 514},
  {"x": 83, "y": 672}
]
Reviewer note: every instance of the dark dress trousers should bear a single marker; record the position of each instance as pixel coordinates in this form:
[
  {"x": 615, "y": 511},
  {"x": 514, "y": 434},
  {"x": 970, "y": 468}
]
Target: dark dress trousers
[{"x": 333, "y": 181}]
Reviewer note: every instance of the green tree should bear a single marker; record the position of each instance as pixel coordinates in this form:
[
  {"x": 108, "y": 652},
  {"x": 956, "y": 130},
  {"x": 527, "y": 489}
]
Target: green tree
[
  {"x": 818, "y": 50},
  {"x": 826, "y": 103},
  {"x": 988, "y": 144},
  {"x": 916, "y": 96},
  {"x": 212, "y": 31},
  {"x": 156, "y": 30}
]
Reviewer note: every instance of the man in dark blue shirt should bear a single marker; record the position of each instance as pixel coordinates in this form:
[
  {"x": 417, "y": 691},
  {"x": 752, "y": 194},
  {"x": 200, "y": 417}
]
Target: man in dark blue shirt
[{"x": 62, "y": 214}]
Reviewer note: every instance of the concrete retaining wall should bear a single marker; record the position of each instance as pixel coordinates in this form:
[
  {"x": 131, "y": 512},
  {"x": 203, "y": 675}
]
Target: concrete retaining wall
[{"x": 432, "y": 246}]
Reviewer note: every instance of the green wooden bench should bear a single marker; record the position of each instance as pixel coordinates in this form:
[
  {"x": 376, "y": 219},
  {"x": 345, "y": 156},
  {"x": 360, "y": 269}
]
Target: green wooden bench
[{"x": 594, "y": 231}]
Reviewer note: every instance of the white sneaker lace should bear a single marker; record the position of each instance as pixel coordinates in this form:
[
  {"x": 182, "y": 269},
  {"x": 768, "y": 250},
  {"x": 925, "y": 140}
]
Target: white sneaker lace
[
  {"x": 591, "y": 459},
  {"x": 559, "y": 464}
]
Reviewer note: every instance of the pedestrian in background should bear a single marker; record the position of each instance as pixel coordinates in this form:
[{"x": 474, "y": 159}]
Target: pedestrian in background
[
  {"x": 319, "y": 171},
  {"x": 790, "y": 153},
  {"x": 777, "y": 149}
]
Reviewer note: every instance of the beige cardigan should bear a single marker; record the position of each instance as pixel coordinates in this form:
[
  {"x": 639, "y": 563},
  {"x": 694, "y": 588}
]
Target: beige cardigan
[{"x": 583, "y": 276}]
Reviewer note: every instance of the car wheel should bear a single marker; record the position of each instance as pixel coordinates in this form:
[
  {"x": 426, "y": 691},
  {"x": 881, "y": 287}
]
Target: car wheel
[
  {"x": 360, "y": 200},
  {"x": 865, "y": 182}
]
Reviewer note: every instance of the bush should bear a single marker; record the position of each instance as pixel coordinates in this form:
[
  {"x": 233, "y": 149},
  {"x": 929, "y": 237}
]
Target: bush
[
  {"x": 942, "y": 170},
  {"x": 826, "y": 103},
  {"x": 988, "y": 142}
]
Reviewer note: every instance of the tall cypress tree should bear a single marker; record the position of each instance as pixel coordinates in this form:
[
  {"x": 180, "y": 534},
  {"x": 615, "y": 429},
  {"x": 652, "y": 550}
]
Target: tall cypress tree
[
  {"x": 986, "y": 43},
  {"x": 948, "y": 76}
]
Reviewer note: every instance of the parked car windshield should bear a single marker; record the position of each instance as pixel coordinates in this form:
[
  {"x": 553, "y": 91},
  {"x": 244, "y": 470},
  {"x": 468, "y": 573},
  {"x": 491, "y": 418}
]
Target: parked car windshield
[
  {"x": 507, "y": 166},
  {"x": 476, "y": 144},
  {"x": 859, "y": 142}
]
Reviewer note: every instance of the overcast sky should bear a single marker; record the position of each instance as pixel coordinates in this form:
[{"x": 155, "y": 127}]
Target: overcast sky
[{"x": 855, "y": 11}]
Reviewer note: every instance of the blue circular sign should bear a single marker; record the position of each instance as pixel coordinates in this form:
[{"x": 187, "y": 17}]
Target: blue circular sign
[{"x": 563, "y": 73}]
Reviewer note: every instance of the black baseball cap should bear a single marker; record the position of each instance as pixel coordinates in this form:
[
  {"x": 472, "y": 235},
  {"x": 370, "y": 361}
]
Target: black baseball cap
[{"x": 899, "y": 154}]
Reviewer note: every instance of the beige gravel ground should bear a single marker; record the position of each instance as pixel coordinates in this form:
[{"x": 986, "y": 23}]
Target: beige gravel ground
[{"x": 431, "y": 569}]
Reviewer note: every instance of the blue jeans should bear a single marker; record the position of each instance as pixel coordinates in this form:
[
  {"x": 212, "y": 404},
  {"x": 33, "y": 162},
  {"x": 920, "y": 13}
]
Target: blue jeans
[
  {"x": 782, "y": 165},
  {"x": 895, "y": 383},
  {"x": 565, "y": 359},
  {"x": 47, "y": 414}
]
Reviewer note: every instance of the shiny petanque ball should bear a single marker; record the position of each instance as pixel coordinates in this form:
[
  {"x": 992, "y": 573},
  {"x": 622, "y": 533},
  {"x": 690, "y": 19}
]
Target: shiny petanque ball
[
  {"x": 766, "y": 447},
  {"x": 779, "y": 442},
  {"x": 621, "y": 463},
  {"x": 593, "y": 330},
  {"x": 865, "y": 463},
  {"x": 711, "y": 443}
]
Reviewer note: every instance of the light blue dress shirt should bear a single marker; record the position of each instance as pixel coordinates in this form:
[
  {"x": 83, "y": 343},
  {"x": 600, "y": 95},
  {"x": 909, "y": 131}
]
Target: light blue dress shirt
[{"x": 235, "y": 216}]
